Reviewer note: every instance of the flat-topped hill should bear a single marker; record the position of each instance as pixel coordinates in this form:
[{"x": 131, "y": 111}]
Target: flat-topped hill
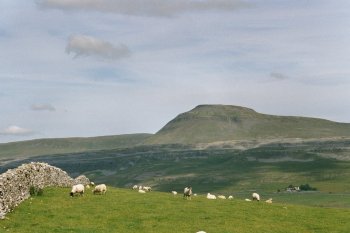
[{"x": 210, "y": 123}]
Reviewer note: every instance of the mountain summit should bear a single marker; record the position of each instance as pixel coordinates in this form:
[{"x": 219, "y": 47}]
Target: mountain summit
[{"x": 210, "y": 123}]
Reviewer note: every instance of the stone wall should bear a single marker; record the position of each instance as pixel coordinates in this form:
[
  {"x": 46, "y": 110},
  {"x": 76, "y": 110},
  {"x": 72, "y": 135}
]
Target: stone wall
[{"x": 15, "y": 183}]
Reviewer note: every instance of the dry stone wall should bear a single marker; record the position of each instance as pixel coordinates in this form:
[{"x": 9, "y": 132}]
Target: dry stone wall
[{"x": 15, "y": 184}]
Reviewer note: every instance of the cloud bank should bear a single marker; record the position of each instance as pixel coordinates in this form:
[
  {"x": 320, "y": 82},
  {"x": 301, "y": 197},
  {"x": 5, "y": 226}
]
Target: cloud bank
[
  {"x": 144, "y": 8},
  {"x": 43, "y": 107},
  {"x": 16, "y": 130},
  {"x": 83, "y": 46}
]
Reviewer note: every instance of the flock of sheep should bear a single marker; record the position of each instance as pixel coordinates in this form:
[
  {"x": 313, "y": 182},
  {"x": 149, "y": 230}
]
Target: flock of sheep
[
  {"x": 79, "y": 189},
  {"x": 102, "y": 189},
  {"x": 188, "y": 194}
]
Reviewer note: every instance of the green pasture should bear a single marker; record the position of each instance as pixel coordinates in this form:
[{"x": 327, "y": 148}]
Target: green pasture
[{"x": 125, "y": 210}]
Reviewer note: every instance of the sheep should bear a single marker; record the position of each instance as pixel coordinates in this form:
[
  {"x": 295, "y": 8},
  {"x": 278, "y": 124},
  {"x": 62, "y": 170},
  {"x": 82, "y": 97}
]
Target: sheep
[
  {"x": 92, "y": 184},
  {"x": 79, "y": 188},
  {"x": 174, "y": 193},
  {"x": 144, "y": 188},
  {"x": 134, "y": 187},
  {"x": 256, "y": 197},
  {"x": 269, "y": 201},
  {"x": 211, "y": 196},
  {"x": 221, "y": 197},
  {"x": 230, "y": 197},
  {"x": 142, "y": 191},
  {"x": 101, "y": 188},
  {"x": 187, "y": 192}
]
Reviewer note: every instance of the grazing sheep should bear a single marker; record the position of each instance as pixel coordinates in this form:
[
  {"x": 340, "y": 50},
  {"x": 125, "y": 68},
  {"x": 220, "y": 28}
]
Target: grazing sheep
[
  {"x": 134, "y": 187},
  {"x": 187, "y": 192},
  {"x": 79, "y": 188},
  {"x": 101, "y": 188},
  {"x": 142, "y": 191},
  {"x": 92, "y": 184},
  {"x": 247, "y": 199},
  {"x": 174, "y": 192},
  {"x": 147, "y": 188},
  {"x": 255, "y": 197},
  {"x": 211, "y": 196},
  {"x": 221, "y": 197},
  {"x": 230, "y": 197},
  {"x": 269, "y": 201}
]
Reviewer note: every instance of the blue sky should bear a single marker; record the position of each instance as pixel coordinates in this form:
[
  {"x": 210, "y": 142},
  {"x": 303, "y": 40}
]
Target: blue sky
[{"x": 103, "y": 67}]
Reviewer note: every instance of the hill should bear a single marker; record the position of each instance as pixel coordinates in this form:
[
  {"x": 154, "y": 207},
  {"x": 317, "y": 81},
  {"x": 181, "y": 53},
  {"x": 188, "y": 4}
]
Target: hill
[
  {"x": 122, "y": 210},
  {"x": 38, "y": 147},
  {"x": 211, "y": 123},
  {"x": 232, "y": 126}
]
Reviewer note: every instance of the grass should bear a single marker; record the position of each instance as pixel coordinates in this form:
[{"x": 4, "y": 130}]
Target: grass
[{"x": 124, "y": 210}]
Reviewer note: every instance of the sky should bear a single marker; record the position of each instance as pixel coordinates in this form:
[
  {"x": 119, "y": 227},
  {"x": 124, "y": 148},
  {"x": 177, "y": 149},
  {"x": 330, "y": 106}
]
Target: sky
[{"x": 82, "y": 68}]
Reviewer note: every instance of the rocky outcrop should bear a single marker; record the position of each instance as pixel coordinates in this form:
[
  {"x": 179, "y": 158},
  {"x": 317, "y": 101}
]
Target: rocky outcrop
[{"x": 15, "y": 184}]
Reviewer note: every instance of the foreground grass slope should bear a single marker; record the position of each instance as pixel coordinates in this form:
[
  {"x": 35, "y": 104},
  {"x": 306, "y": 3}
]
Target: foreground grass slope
[{"x": 122, "y": 210}]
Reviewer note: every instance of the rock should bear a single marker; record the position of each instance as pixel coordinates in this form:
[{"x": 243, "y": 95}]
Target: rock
[{"x": 15, "y": 183}]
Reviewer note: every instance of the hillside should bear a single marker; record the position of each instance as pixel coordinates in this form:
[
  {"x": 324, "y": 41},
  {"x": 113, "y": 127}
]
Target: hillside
[
  {"x": 125, "y": 210},
  {"x": 206, "y": 124},
  {"x": 38, "y": 147},
  {"x": 211, "y": 123}
]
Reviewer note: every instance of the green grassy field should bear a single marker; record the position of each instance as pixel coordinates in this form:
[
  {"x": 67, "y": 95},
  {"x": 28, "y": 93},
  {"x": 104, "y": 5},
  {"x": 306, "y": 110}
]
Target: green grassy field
[{"x": 125, "y": 210}]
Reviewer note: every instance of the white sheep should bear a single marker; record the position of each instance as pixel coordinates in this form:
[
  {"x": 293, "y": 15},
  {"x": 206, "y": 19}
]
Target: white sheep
[
  {"x": 221, "y": 197},
  {"x": 187, "y": 192},
  {"x": 79, "y": 188},
  {"x": 134, "y": 187},
  {"x": 101, "y": 188},
  {"x": 174, "y": 192},
  {"x": 256, "y": 197},
  {"x": 92, "y": 184},
  {"x": 230, "y": 197},
  {"x": 211, "y": 196},
  {"x": 269, "y": 201},
  {"x": 147, "y": 188}
]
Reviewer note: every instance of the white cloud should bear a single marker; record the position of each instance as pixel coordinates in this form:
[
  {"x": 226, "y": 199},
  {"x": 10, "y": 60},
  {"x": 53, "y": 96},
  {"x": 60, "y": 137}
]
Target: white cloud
[
  {"x": 43, "y": 107},
  {"x": 82, "y": 45},
  {"x": 142, "y": 7},
  {"x": 16, "y": 130}
]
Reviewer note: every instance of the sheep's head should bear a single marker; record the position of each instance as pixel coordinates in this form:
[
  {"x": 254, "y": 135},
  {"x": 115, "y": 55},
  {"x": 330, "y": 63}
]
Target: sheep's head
[{"x": 71, "y": 194}]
